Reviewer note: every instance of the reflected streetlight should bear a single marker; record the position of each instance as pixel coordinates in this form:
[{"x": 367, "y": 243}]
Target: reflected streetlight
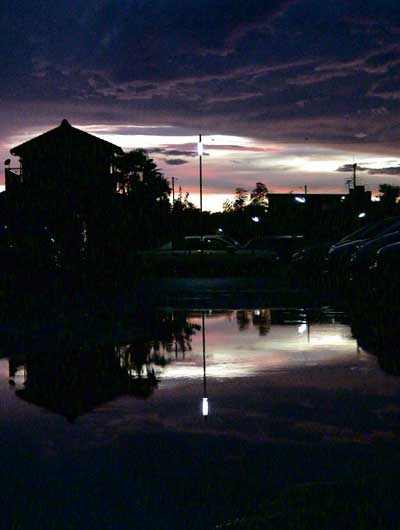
[
  {"x": 205, "y": 407},
  {"x": 302, "y": 328},
  {"x": 204, "y": 404}
]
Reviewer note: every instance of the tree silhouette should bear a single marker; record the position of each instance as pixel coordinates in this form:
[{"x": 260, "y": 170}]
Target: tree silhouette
[
  {"x": 389, "y": 196},
  {"x": 144, "y": 199},
  {"x": 259, "y": 195},
  {"x": 138, "y": 176},
  {"x": 182, "y": 203}
]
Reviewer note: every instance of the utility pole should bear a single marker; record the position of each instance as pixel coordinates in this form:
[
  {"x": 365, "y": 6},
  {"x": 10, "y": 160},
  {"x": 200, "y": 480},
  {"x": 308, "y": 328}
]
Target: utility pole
[
  {"x": 354, "y": 175},
  {"x": 305, "y": 189}
]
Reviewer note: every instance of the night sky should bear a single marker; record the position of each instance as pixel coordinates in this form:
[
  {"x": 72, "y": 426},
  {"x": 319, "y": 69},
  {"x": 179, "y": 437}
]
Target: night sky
[{"x": 285, "y": 92}]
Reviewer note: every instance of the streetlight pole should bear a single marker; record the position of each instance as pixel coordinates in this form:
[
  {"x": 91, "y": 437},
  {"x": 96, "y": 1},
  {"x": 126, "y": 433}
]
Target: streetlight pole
[{"x": 200, "y": 153}]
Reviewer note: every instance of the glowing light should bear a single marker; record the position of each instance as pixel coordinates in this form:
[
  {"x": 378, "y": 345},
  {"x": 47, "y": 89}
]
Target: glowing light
[
  {"x": 302, "y": 200},
  {"x": 361, "y": 215},
  {"x": 302, "y": 328},
  {"x": 205, "y": 406},
  {"x": 220, "y": 230},
  {"x": 343, "y": 198},
  {"x": 255, "y": 219}
]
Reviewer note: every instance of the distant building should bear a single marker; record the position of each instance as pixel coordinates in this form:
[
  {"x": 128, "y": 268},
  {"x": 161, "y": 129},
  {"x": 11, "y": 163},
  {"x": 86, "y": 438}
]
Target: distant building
[
  {"x": 312, "y": 201},
  {"x": 357, "y": 198},
  {"x": 316, "y": 215}
]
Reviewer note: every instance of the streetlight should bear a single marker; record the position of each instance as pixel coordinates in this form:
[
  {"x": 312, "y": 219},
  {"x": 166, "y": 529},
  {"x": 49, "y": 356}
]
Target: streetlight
[{"x": 200, "y": 152}]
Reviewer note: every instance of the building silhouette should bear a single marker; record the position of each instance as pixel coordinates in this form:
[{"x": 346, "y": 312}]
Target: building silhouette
[{"x": 64, "y": 179}]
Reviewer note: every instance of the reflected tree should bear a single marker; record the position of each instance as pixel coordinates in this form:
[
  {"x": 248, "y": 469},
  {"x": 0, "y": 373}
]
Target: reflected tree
[{"x": 243, "y": 320}]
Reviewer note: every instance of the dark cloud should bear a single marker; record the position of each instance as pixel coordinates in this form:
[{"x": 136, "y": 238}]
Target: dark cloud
[
  {"x": 394, "y": 170},
  {"x": 385, "y": 171},
  {"x": 326, "y": 73},
  {"x": 172, "y": 152},
  {"x": 175, "y": 161}
]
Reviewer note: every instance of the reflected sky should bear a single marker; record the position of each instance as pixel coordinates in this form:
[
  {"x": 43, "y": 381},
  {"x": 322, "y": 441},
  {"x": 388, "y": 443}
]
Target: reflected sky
[{"x": 246, "y": 343}]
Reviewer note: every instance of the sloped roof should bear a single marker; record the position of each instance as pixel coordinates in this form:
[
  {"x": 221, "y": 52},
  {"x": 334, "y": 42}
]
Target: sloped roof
[{"x": 64, "y": 134}]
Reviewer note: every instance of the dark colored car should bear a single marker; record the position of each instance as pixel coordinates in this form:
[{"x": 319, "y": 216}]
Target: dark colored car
[
  {"x": 219, "y": 253},
  {"x": 386, "y": 270},
  {"x": 370, "y": 231},
  {"x": 339, "y": 256},
  {"x": 365, "y": 255},
  {"x": 283, "y": 246}
]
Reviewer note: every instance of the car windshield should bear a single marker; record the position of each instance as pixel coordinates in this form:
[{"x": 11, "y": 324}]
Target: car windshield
[{"x": 372, "y": 230}]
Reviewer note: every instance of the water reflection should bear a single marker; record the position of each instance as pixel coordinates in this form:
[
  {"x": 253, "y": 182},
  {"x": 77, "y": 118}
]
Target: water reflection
[
  {"x": 166, "y": 350},
  {"x": 205, "y": 404},
  {"x": 260, "y": 319},
  {"x": 378, "y": 332},
  {"x": 71, "y": 380}
]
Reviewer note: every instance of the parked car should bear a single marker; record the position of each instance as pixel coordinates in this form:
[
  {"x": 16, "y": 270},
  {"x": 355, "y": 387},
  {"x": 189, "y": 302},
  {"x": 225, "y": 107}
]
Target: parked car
[
  {"x": 386, "y": 270},
  {"x": 283, "y": 246},
  {"x": 369, "y": 231},
  {"x": 220, "y": 253},
  {"x": 340, "y": 253},
  {"x": 193, "y": 244},
  {"x": 365, "y": 255},
  {"x": 312, "y": 258}
]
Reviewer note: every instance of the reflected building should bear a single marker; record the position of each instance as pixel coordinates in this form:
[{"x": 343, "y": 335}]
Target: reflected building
[{"x": 72, "y": 381}]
